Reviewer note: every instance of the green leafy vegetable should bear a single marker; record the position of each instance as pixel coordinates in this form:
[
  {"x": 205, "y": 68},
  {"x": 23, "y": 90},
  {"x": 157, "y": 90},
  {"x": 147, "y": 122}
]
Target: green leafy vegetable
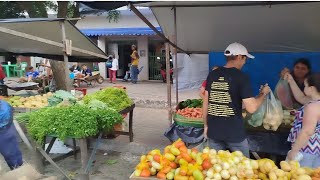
[
  {"x": 76, "y": 121},
  {"x": 114, "y": 98}
]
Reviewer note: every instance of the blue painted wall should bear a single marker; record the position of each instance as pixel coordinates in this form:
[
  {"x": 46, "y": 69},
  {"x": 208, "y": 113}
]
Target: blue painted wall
[{"x": 265, "y": 68}]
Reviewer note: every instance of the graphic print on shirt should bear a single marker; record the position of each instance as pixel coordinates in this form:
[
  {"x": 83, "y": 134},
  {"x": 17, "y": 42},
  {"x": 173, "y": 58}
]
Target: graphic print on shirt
[{"x": 220, "y": 99}]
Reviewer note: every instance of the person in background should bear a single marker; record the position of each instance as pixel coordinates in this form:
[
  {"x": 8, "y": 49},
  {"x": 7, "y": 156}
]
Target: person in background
[
  {"x": 204, "y": 84},
  {"x": 113, "y": 69},
  {"x": 47, "y": 67},
  {"x": 9, "y": 147},
  {"x": 2, "y": 75},
  {"x": 305, "y": 133},
  {"x": 227, "y": 87},
  {"x": 127, "y": 76},
  {"x": 134, "y": 64},
  {"x": 301, "y": 70},
  {"x": 76, "y": 67},
  {"x": 85, "y": 73},
  {"x": 31, "y": 75}
]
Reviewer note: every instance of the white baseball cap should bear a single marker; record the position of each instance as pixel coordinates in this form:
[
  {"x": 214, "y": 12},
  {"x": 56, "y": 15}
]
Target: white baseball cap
[{"x": 235, "y": 49}]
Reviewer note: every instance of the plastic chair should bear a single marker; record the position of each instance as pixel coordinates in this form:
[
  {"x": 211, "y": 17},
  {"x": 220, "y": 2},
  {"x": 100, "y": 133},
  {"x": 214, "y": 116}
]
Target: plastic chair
[{"x": 20, "y": 69}]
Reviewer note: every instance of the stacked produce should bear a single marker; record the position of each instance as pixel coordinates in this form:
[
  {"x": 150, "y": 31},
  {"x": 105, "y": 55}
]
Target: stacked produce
[
  {"x": 316, "y": 174},
  {"x": 38, "y": 101},
  {"x": 67, "y": 117},
  {"x": 190, "y": 108},
  {"x": 76, "y": 121},
  {"x": 180, "y": 163},
  {"x": 113, "y": 97}
]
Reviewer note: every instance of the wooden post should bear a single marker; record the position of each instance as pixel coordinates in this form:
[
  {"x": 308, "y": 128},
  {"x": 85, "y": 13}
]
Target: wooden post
[
  {"x": 84, "y": 159},
  {"x": 168, "y": 82},
  {"x": 65, "y": 56},
  {"x": 175, "y": 54}
]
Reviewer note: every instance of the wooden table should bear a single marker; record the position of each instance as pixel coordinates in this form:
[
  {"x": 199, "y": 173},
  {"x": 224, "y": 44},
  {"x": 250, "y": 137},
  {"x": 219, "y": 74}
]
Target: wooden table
[
  {"x": 7, "y": 68},
  {"x": 83, "y": 142}
]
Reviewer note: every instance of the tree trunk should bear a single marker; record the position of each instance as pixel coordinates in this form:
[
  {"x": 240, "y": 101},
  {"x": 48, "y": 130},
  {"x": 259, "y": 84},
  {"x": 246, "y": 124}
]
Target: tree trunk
[
  {"x": 59, "y": 74},
  {"x": 58, "y": 67}
]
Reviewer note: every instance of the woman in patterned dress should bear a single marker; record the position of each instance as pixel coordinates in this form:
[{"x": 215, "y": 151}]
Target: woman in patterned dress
[{"x": 305, "y": 133}]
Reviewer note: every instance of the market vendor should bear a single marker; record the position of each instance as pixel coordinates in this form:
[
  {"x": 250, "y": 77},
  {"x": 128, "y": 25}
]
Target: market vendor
[
  {"x": 301, "y": 70},
  {"x": 227, "y": 87},
  {"x": 9, "y": 147},
  {"x": 305, "y": 133}
]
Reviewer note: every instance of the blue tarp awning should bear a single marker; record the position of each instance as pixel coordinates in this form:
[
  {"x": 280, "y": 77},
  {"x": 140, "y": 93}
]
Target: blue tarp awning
[{"x": 120, "y": 31}]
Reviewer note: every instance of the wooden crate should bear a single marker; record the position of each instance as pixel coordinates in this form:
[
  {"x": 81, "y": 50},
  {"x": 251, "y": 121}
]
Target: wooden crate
[{"x": 133, "y": 177}]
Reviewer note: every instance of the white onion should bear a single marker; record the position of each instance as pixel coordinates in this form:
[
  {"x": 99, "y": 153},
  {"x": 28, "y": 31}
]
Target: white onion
[
  {"x": 216, "y": 176},
  {"x": 210, "y": 173},
  {"x": 225, "y": 165},
  {"x": 212, "y": 151},
  {"x": 217, "y": 168},
  {"x": 233, "y": 178},
  {"x": 225, "y": 174}
]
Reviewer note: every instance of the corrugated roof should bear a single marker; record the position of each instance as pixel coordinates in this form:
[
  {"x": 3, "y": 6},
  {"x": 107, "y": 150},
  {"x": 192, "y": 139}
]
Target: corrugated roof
[{"x": 120, "y": 31}]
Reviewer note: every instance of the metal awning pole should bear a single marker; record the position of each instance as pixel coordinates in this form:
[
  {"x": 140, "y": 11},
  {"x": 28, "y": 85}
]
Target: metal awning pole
[
  {"x": 65, "y": 56},
  {"x": 168, "y": 82},
  {"x": 175, "y": 54}
]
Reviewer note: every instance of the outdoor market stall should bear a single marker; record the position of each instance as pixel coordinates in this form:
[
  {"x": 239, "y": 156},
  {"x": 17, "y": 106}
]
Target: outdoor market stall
[
  {"x": 202, "y": 27},
  {"x": 57, "y": 39},
  {"x": 62, "y": 115}
]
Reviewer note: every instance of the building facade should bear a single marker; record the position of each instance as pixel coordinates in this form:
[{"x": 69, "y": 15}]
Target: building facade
[{"x": 117, "y": 37}]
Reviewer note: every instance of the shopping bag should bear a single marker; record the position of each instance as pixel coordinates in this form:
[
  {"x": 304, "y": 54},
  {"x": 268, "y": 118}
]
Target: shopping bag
[
  {"x": 274, "y": 113},
  {"x": 256, "y": 118},
  {"x": 284, "y": 94}
]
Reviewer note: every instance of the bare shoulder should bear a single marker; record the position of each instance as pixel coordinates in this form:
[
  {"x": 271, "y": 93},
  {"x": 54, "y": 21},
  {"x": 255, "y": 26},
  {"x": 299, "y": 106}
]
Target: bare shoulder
[{"x": 313, "y": 108}]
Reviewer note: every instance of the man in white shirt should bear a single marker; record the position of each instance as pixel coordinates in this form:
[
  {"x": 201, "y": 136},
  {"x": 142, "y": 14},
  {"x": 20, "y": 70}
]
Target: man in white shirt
[{"x": 113, "y": 69}]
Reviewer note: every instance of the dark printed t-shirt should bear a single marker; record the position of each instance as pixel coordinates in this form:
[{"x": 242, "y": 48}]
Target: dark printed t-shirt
[{"x": 227, "y": 87}]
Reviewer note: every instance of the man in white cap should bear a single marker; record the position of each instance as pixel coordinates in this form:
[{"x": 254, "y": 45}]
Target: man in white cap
[{"x": 227, "y": 88}]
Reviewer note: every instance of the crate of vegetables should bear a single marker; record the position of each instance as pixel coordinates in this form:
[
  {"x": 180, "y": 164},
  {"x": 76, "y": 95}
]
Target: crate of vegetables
[{"x": 189, "y": 113}]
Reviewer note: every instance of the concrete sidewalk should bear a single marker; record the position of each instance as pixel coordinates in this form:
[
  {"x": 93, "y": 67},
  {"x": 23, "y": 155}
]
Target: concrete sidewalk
[{"x": 150, "y": 93}]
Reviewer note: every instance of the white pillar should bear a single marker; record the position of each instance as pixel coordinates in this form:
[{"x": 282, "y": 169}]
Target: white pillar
[
  {"x": 144, "y": 57},
  {"x": 102, "y": 65}
]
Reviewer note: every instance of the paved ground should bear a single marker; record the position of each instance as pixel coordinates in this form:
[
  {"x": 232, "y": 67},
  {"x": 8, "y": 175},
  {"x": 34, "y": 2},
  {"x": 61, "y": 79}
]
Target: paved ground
[{"x": 148, "y": 127}]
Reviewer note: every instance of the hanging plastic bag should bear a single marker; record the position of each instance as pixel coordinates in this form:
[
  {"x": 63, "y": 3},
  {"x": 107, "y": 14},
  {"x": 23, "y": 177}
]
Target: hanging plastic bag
[
  {"x": 256, "y": 118},
  {"x": 274, "y": 113},
  {"x": 284, "y": 94}
]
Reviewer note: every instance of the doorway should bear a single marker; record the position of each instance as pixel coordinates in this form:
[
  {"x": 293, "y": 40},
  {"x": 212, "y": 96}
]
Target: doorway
[{"x": 124, "y": 52}]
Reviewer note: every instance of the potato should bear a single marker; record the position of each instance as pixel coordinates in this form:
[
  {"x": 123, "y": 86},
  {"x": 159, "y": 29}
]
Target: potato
[
  {"x": 272, "y": 176},
  {"x": 304, "y": 177},
  {"x": 285, "y": 166},
  {"x": 279, "y": 173},
  {"x": 300, "y": 171}
]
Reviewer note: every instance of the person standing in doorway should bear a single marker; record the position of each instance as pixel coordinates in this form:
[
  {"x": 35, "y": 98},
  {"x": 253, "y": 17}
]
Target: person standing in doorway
[
  {"x": 134, "y": 64},
  {"x": 113, "y": 69},
  {"x": 227, "y": 87}
]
